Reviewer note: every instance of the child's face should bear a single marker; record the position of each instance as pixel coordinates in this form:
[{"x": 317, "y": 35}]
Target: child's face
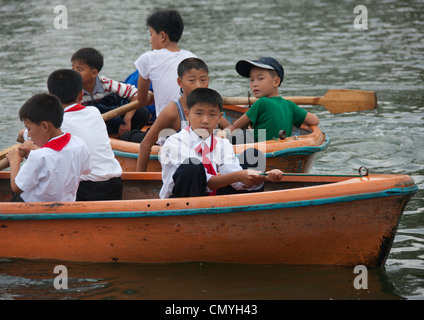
[
  {"x": 87, "y": 73},
  {"x": 204, "y": 118},
  {"x": 193, "y": 79},
  {"x": 155, "y": 39},
  {"x": 37, "y": 133},
  {"x": 262, "y": 83}
]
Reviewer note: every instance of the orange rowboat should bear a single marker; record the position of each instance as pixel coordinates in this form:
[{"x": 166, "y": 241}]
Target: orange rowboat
[
  {"x": 294, "y": 154},
  {"x": 303, "y": 219}
]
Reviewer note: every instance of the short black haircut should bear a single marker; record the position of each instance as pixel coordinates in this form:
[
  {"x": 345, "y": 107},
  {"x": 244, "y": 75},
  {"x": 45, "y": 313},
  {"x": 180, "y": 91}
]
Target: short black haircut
[
  {"x": 191, "y": 63},
  {"x": 42, "y": 107},
  {"x": 168, "y": 21},
  {"x": 66, "y": 84},
  {"x": 90, "y": 56},
  {"x": 204, "y": 96}
]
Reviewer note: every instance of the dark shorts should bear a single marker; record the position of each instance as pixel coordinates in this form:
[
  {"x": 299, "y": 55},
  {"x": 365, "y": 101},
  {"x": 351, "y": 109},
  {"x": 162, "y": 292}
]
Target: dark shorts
[
  {"x": 190, "y": 177},
  {"x": 101, "y": 190}
]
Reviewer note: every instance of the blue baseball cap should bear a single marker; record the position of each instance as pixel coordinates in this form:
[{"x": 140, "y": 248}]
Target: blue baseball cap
[{"x": 243, "y": 66}]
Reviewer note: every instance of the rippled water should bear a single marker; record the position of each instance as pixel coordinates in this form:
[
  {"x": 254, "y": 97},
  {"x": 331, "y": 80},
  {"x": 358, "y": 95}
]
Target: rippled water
[{"x": 320, "y": 49}]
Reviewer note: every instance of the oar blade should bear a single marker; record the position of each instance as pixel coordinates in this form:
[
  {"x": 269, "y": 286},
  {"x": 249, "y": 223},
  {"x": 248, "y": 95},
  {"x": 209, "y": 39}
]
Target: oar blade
[{"x": 340, "y": 100}]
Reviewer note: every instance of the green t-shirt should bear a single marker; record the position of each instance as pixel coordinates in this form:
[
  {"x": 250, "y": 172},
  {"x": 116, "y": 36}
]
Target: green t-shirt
[{"x": 274, "y": 114}]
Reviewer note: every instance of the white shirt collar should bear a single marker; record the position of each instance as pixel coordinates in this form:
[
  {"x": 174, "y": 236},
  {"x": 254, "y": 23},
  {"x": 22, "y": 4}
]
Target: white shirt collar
[{"x": 70, "y": 106}]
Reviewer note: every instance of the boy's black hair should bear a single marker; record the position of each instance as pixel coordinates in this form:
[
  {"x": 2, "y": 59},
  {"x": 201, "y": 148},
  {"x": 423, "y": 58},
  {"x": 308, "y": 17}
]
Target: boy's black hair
[
  {"x": 204, "y": 96},
  {"x": 42, "y": 107},
  {"x": 168, "y": 21},
  {"x": 90, "y": 56},
  {"x": 66, "y": 84},
  {"x": 191, "y": 63}
]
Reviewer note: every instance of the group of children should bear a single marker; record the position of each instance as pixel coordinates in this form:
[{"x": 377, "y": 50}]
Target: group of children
[{"x": 67, "y": 147}]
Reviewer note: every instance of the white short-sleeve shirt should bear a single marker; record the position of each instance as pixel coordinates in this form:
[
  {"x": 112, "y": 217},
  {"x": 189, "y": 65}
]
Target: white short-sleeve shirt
[
  {"x": 49, "y": 175},
  {"x": 160, "y": 67},
  {"x": 87, "y": 123}
]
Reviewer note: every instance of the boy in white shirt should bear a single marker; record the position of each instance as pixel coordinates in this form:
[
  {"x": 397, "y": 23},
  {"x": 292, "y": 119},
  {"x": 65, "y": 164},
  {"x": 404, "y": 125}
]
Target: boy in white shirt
[
  {"x": 86, "y": 122},
  {"x": 192, "y": 158},
  {"x": 40, "y": 179},
  {"x": 159, "y": 66}
]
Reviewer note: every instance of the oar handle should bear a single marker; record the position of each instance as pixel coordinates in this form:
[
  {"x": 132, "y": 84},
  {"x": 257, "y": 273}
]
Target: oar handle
[
  {"x": 4, "y": 164},
  {"x": 245, "y": 101},
  {"x": 7, "y": 150},
  {"x": 120, "y": 110}
]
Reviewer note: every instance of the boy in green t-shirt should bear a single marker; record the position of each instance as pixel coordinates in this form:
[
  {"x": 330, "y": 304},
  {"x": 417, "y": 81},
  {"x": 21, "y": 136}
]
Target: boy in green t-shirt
[{"x": 271, "y": 113}]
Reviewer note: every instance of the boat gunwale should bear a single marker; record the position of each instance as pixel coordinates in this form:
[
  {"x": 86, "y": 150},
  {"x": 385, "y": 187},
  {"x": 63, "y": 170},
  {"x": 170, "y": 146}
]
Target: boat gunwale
[
  {"x": 407, "y": 191},
  {"x": 305, "y": 150},
  {"x": 372, "y": 186},
  {"x": 316, "y": 138}
]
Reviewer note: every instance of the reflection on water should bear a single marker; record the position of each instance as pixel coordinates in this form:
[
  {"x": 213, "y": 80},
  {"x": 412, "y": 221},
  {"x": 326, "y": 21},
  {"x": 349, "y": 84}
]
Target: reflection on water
[
  {"x": 319, "y": 49},
  {"x": 22, "y": 279}
]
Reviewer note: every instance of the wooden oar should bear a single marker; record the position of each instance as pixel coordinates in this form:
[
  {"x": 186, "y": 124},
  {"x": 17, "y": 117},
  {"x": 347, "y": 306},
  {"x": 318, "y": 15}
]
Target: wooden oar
[
  {"x": 120, "y": 110},
  {"x": 106, "y": 116},
  {"x": 4, "y": 163},
  {"x": 7, "y": 150},
  {"x": 335, "y": 100}
]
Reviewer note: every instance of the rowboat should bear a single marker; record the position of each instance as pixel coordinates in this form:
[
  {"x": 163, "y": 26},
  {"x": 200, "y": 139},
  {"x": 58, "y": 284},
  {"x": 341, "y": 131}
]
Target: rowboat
[
  {"x": 294, "y": 154},
  {"x": 316, "y": 219}
]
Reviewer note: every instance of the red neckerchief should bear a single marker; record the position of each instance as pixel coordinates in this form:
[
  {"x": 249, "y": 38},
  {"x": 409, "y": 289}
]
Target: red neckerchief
[
  {"x": 76, "y": 107},
  {"x": 58, "y": 144},
  {"x": 205, "y": 160}
]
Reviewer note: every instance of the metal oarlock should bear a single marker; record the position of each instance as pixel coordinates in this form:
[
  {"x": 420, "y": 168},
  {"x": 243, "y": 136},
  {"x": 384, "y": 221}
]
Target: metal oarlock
[
  {"x": 366, "y": 171},
  {"x": 282, "y": 134}
]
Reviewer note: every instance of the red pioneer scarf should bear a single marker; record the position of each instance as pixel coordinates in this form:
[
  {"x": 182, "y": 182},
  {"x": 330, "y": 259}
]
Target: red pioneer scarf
[{"x": 58, "y": 143}]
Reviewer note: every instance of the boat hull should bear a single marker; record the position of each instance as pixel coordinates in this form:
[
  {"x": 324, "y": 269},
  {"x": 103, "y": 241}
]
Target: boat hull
[{"x": 311, "y": 220}]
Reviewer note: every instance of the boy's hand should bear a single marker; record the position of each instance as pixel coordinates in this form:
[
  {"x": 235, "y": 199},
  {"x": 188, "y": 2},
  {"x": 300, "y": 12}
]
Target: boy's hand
[
  {"x": 14, "y": 157},
  {"x": 274, "y": 175},
  {"x": 251, "y": 178},
  {"x": 124, "y": 127},
  {"x": 26, "y": 147},
  {"x": 151, "y": 97},
  {"x": 21, "y": 136}
]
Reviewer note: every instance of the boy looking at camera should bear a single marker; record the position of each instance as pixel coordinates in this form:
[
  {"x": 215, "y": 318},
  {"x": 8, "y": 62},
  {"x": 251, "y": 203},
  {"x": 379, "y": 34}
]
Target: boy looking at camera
[
  {"x": 271, "y": 112},
  {"x": 192, "y": 158}
]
